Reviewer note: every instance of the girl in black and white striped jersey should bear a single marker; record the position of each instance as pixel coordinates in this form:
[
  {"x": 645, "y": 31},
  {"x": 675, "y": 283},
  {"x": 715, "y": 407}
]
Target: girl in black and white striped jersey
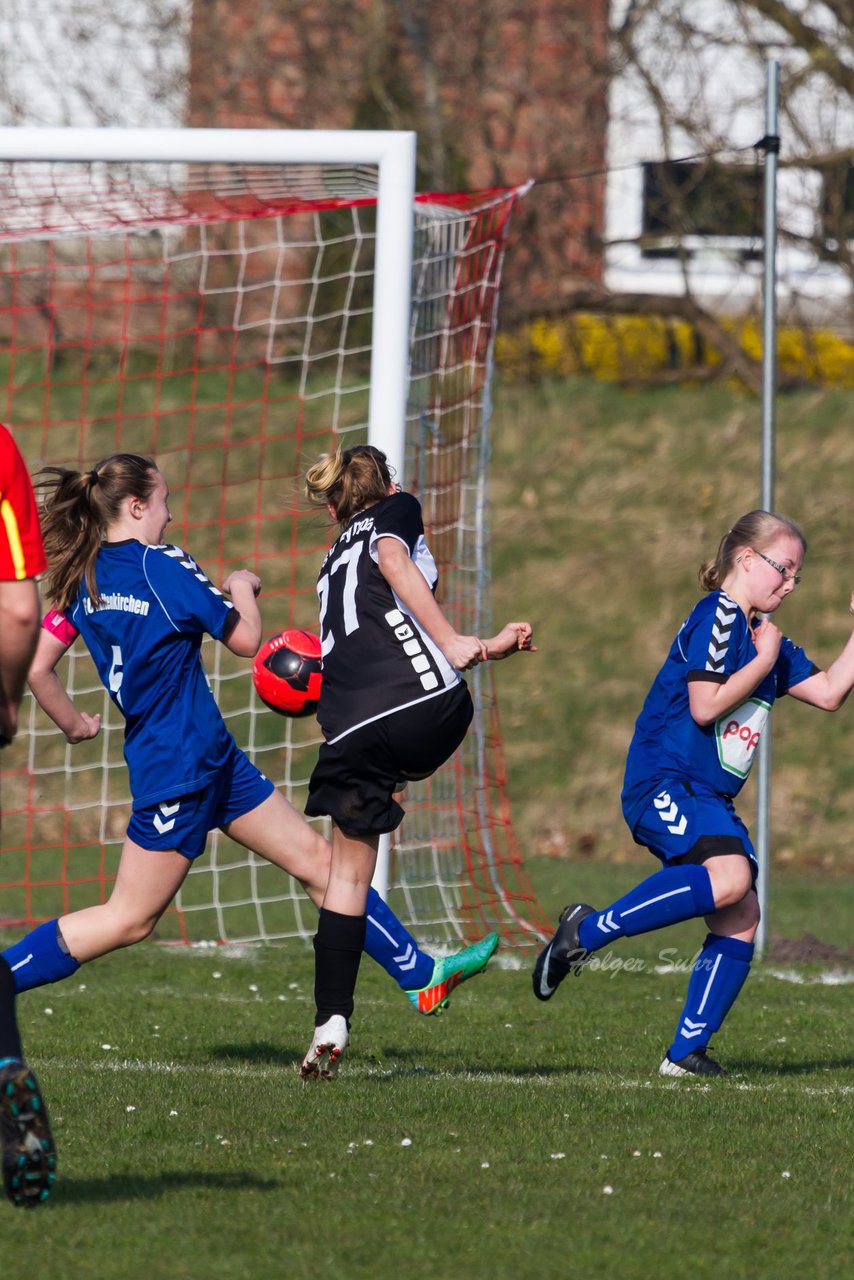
[{"x": 393, "y": 706}]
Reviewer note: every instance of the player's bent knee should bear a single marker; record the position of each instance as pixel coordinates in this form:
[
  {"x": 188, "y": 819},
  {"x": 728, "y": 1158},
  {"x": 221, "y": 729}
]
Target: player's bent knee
[
  {"x": 313, "y": 863},
  {"x": 732, "y": 879},
  {"x": 128, "y": 932},
  {"x": 751, "y": 912},
  {"x": 321, "y": 849},
  {"x": 741, "y": 919}
]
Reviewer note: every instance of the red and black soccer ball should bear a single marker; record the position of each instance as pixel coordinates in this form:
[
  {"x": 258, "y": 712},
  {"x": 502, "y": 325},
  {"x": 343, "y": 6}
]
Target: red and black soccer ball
[{"x": 286, "y": 672}]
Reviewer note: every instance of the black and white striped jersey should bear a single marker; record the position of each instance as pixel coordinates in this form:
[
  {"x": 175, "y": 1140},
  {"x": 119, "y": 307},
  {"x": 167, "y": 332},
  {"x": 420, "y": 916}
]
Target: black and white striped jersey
[{"x": 376, "y": 657}]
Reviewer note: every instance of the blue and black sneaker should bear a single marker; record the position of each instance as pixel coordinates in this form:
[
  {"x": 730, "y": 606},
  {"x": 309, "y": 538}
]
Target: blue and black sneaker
[
  {"x": 564, "y": 954},
  {"x": 29, "y": 1156},
  {"x": 696, "y": 1063}
]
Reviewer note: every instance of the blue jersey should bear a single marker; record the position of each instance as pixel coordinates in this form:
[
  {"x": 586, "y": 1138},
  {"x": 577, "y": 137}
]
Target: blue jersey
[
  {"x": 145, "y": 640},
  {"x": 668, "y": 744}
]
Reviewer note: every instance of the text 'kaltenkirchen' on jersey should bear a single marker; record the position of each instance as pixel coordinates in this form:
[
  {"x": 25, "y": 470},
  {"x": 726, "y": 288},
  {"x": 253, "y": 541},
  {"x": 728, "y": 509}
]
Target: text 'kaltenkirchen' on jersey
[{"x": 124, "y": 604}]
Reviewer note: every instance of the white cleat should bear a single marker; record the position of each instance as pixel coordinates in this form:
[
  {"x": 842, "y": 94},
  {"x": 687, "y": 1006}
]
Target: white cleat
[{"x": 330, "y": 1041}]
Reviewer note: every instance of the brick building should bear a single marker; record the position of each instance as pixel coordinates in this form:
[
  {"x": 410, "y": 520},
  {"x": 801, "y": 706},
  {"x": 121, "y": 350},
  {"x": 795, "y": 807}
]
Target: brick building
[{"x": 498, "y": 91}]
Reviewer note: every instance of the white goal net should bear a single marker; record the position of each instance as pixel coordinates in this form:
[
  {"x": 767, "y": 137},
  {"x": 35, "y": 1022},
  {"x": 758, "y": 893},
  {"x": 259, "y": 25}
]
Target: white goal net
[{"x": 224, "y": 318}]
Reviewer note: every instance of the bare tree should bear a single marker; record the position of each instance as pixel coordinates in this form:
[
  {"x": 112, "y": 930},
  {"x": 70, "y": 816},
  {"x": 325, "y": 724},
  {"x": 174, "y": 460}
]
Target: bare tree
[
  {"x": 688, "y": 84},
  {"x": 501, "y": 91},
  {"x": 89, "y": 62}
]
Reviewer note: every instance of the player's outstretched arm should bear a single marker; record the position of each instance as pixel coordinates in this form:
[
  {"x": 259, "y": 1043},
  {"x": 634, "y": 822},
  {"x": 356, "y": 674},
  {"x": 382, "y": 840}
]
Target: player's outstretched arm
[
  {"x": 829, "y": 689},
  {"x": 51, "y": 695},
  {"x": 514, "y": 637},
  {"x": 244, "y": 586},
  {"x": 409, "y": 585}
]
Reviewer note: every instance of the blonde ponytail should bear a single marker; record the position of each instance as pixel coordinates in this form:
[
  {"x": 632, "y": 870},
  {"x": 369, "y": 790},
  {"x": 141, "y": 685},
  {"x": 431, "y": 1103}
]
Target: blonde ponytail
[{"x": 349, "y": 480}]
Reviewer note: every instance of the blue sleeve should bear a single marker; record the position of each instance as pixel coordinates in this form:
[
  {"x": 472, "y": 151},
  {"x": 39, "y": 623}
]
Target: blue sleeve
[
  {"x": 187, "y": 596},
  {"x": 792, "y": 666},
  {"x": 712, "y": 641}
]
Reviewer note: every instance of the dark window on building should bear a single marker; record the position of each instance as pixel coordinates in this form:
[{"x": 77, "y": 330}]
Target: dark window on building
[{"x": 688, "y": 199}]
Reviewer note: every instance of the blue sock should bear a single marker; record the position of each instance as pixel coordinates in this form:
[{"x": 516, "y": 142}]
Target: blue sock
[
  {"x": 667, "y": 897},
  {"x": 38, "y": 958},
  {"x": 718, "y": 976},
  {"x": 389, "y": 943}
]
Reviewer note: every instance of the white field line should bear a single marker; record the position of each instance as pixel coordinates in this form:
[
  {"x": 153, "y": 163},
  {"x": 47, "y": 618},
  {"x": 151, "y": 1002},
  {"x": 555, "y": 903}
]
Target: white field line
[
  {"x": 197, "y": 997},
  {"x": 605, "y": 964},
  {"x": 608, "y": 963},
  {"x": 152, "y": 1066},
  {"x": 829, "y": 978}
]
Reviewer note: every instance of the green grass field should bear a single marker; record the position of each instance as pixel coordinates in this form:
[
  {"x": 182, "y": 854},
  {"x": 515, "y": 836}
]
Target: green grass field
[
  {"x": 483, "y": 1142},
  {"x": 504, "y": 1139}
]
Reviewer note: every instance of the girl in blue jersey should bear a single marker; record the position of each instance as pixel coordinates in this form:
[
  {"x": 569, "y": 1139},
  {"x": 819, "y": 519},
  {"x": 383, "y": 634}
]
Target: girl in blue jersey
[
  {"x": 393, "y": 706},
  {"x": 695, "y": 741},
  {"x": 143, "y": 608}
]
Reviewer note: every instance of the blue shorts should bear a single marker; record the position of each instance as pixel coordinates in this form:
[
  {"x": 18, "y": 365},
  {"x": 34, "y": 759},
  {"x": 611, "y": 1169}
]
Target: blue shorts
[
  {"x": 684, "y": 823},
  {"x": 183, "y": 822}
]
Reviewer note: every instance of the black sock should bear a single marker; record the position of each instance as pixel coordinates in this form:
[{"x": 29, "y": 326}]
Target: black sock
[
  {"x": 10, "y": 1039},
  {"x": 338, "y": 947}
]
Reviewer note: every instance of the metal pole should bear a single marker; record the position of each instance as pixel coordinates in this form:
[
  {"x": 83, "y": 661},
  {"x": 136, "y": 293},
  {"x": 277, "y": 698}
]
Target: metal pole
[{"x": 771, "y": 146}]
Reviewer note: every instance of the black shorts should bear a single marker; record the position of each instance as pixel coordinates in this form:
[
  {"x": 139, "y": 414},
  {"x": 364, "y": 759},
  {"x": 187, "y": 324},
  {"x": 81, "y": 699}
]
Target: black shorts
[{"x": 354, "y": 780}]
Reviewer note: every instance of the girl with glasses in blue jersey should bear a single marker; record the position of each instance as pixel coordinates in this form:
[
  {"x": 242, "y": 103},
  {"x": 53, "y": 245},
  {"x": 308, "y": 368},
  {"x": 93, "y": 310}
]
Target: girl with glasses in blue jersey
[
  {"x": 694, "y": 743},
  {"x": 143, "y": 607}
]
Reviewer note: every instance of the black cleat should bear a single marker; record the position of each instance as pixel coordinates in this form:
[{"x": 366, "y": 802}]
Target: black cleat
[
  {"x": 564, "y": 954},
  {"x": 29, "y": 1156},
  {"x": 696, "y": 1063}
]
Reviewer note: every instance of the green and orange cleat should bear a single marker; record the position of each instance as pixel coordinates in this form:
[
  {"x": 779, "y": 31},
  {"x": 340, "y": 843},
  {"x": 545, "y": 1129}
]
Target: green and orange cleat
[{"x": 450, "y": 971}]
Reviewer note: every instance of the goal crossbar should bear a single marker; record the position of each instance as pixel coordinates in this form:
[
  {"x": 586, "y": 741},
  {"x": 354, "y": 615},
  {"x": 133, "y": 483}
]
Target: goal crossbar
[{"x": 392, "y": 151}]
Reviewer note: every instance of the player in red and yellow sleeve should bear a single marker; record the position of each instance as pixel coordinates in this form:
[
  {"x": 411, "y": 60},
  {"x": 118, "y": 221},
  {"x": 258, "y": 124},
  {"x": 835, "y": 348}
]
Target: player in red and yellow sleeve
[{"x": 28, "y": 1155}]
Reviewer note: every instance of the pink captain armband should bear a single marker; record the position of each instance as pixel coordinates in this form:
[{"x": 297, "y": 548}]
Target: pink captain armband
[{"x": 58, "y": 625}]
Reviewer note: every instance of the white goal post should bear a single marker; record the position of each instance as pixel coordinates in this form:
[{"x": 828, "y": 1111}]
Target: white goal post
[
  {"x": 233, "y": 302},
  {"x": 393, "y": 152}
]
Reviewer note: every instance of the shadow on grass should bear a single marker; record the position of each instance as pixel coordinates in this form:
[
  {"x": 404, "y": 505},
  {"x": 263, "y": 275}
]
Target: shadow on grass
[
  {"x": 132, "y": 1186},
  {"x": 750, "y": 1069},
  {"x": 394, "y": 1063},
  {"x": 259, "y": 1052},
  {"x": 385, "y": 1072}
]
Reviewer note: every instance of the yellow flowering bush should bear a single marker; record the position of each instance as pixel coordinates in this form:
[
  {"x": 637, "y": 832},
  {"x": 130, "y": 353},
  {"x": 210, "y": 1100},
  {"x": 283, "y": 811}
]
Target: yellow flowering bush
[{"x": 627, "y": 348}]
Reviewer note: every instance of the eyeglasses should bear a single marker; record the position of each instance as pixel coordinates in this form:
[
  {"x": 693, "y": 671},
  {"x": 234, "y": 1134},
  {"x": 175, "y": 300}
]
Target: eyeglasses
[{"x": 788, "y": 574}]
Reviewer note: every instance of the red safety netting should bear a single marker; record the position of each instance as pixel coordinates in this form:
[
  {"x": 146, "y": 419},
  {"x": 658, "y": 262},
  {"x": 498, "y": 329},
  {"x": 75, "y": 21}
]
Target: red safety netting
[{"x": 220, "y": 320}]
